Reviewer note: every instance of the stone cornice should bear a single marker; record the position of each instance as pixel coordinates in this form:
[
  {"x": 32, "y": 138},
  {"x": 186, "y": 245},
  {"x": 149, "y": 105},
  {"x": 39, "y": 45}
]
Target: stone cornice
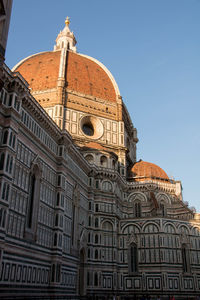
[
  {"x": 153, "y": 185},
  {"x": 40, "y": 114}
]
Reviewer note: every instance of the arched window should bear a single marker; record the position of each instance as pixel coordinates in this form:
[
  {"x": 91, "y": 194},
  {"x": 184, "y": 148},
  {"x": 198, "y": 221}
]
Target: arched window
[
  {"x": 162, "y": 209},
  {"x": 96, "y": 239},
  {"x": 89, "y": 253},
  {"x": 107, "y": 226},
  {"x": 96, "y": 254},
  {"x": 89, "y": 237},
  {"x": 113, "y": 164},
  {"x": 53, "y": 273},
  {"x": 88, "y": 278},
  {"x": 7, "y": 192},
  {"x": 58, "y": 199},
  {"x": 107, "y": 186},
  {"x": 95, "y": 279},
  {"x": 1, "y": 215},
  {"x": 55, "y": 239},
  {"x": 7, "y": 162},
  {"x": 13, "y": 143},
  {"x": 137, "y": 208},
  {"x": 89, "y": 221},
  {"x": 90, "y": 205},
  {"x": 2, "y": 157},
  {"x": 5, "y": 137},
  {"x": 56, "y": 220},
  {"x": 4, "y": 191},
  {"x": 3, "y": 219},
  {"x": 10, "y": 100},
  {"x": 96, "y": 222},
  {"x": 30, "y": 211},
  {"x": 185, "y": 258},
  {"x": 11, "y": 164},
  {"x": 133, "y": 258},
  {"x": 104, "y": 161},
  {"x": 10, "y": 139},
  {"x": 89, "y": 158}
]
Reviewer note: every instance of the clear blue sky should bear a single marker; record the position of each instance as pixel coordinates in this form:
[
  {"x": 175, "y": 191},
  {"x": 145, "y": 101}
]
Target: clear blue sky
[{"x": 152, "y": 48}]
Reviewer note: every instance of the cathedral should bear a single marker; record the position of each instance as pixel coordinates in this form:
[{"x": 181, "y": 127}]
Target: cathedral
[{"x": 80, "y": 216}]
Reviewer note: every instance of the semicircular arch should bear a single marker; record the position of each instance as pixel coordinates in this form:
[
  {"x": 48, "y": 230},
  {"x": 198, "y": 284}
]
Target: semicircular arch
[
  {"x": 107, "y": 225},
  {"x": 107, "y": 185},
  {"x": 131, "y": 228},
  {"x": 195, "y": 231},
  {"x": 150, "y": 227},
  {"x": 169, "y": 228},
  {"x": 182, "y": 228}
]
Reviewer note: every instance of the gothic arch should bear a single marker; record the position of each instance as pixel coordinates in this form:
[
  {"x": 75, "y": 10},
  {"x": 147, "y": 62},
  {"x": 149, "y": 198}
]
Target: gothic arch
[
  {"x": 137, "y": 196},
  {"x": 36, "y": 170},
  {"x": 33, "y": 201},
  {"x": 163, "y": 197}
]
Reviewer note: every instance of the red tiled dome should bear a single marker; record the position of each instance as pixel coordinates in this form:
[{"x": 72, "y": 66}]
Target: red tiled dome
[
  {"x": 83, "y": 74},
  {"x": 86, "y": 76},
  {"x": 40, "y": 70},
  {"x": 143, "y": 170}
]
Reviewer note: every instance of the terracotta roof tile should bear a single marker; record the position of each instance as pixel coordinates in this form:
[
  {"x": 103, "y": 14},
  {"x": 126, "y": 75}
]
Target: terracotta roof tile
[
  {"x": 41, "y": 70},
  {"x": 86, "y": 76},
  {"x": 83, "y": 75},
  {"x": 143, "y": 170}
]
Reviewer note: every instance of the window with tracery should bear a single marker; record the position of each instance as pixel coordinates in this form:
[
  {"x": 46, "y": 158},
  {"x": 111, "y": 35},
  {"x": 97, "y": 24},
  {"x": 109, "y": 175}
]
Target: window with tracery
[
  {"x": 30, "y": 210},
  {"x": 163, "y": 209},
  {"x": 185, "y": 258},
  {"x": 2, "y": 158},
  {"x": 133, "y": 258},
  {"x": 96, "y": 254},
  {"x": 104, "y": 161},
  {"x": 96, "y": 239},
  {"x": 95, "y": 279},
  {"x": 137, "y": 208}
]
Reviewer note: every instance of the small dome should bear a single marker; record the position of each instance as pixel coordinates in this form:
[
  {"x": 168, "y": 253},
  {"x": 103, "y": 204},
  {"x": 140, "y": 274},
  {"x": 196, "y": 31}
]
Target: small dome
[{"x": 143, "y": 170}]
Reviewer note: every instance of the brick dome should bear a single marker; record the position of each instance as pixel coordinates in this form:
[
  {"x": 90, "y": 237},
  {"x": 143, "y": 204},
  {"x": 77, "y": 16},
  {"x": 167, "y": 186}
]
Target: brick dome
[
  {"x": 83, "y": 74},
  {"x": 143, "y": 170},
  {"x": 40, "y": 70}
]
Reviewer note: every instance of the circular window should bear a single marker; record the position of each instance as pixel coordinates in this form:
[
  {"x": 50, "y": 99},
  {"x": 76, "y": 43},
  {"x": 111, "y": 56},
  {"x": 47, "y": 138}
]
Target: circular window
[
  {"x": 88, "y": 129},
  {"x": 92, "y": 127}
]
